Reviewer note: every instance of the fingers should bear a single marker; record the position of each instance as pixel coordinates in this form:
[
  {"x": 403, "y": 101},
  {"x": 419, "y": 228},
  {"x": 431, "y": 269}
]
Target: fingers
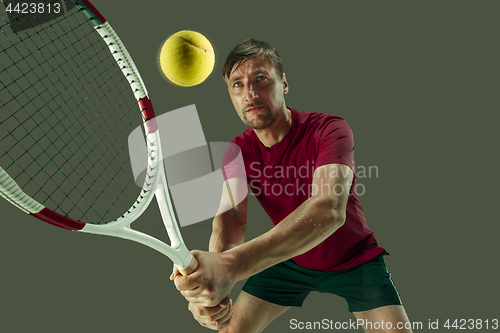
[
  {"x": 216, "y": 318},
  {"x": 175, "y": 272},
  {"x": 205, "y": 297},
  {"x": 185, "y": 283},
  {"x": 193, "y": 266},
  {"x": 188, "y": 286},
  {"x": 207, "y": 302},
  {"x": 226, "y": 302},
  {"x": 224, "y": 321}
]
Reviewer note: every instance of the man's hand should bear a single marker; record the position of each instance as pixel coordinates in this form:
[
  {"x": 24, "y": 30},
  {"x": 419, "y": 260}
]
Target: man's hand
[
  {"x": 210, "y": 283},
  {"x": 215, "y": 318}
]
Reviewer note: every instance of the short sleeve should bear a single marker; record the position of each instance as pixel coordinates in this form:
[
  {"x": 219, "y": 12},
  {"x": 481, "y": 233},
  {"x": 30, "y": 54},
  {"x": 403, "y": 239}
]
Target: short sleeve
[
  {"x": 335, "y": 144},
  {"x": 232, "y": 163}
]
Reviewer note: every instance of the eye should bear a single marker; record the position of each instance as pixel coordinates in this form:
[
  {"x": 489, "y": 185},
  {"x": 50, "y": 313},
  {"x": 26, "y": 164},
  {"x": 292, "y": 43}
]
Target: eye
[
  {"x": 237, "y": 84},
  {"x": 261, "y": 77}
]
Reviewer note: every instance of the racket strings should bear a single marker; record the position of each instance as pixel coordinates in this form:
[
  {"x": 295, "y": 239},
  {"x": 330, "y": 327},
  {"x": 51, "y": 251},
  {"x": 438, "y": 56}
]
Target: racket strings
[{"x": 66, "y": 112}]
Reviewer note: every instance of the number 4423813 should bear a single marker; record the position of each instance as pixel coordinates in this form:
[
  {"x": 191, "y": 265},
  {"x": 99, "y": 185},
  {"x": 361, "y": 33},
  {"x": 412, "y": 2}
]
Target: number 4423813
[
  {"x": 33, "y": 8},
  {"x": 472, "y": 324}
]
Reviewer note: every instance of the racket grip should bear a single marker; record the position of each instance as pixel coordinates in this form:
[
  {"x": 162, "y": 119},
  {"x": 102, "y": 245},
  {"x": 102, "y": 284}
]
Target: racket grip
[{"x": 192, "y": 266}]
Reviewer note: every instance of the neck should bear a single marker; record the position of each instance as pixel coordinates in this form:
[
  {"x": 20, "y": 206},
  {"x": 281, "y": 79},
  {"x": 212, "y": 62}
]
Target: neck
[{"x": 277, "y": 131}]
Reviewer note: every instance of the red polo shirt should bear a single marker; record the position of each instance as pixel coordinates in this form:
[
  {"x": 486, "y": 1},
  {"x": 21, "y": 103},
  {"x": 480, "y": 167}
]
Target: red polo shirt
[{"x": 280, "y": 177}]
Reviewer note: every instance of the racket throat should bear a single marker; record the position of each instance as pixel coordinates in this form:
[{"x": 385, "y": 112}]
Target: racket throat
[{"x": 167, "y": 213}]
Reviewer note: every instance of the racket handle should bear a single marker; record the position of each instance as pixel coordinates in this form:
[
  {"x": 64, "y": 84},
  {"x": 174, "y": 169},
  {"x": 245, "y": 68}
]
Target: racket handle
[{"x": 193, "y": 266}]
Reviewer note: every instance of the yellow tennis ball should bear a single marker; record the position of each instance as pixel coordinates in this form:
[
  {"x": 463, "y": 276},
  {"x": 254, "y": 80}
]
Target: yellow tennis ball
[{"x": 187, "y": 58}]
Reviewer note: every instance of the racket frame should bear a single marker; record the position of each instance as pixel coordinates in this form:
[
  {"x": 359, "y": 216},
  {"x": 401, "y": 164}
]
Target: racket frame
[{"x": 155, "y": 183}]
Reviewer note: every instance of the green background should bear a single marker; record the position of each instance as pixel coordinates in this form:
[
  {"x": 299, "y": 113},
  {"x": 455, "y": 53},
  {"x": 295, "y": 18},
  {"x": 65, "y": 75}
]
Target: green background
[{"x": 418, "y": 83}]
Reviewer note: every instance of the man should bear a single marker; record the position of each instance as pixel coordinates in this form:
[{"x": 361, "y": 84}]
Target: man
[{"x": 300, "y": 166}]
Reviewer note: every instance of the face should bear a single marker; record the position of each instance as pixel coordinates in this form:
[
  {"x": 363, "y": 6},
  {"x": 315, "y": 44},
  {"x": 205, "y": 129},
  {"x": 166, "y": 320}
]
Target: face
[{"x": 257, "y": 93}]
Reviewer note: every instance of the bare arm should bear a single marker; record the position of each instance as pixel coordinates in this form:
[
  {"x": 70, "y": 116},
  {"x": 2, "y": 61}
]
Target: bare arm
[
  {"x": 228, "y": 231},
  {"x": 229, "y": 225},
  {"x": 309, "y": 225}
]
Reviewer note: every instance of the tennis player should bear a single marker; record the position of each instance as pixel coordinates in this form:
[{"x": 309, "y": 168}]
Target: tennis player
[{"x": 300, "y": 166}]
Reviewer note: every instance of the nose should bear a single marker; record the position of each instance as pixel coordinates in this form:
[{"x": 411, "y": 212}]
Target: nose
[{"x": 250, "y": 93}]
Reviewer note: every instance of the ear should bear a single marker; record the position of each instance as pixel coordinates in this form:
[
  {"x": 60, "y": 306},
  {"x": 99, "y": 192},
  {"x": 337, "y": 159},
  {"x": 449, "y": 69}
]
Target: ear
[{"x": 285, "y": 84}]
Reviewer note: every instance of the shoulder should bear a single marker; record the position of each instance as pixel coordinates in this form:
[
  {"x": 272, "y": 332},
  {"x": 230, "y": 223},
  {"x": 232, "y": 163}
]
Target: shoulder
[
  {"x": 319, "y": 123},
  {"x": 245, "y": 138},
  {"x": 240, "y": 145}
]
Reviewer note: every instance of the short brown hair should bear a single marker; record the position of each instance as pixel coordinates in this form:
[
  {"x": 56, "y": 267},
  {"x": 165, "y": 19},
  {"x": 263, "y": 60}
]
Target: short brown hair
[{"x": 251, "y": 48}]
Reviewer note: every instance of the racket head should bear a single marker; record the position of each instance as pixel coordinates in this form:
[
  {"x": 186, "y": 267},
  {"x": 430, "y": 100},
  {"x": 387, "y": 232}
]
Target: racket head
[
  {"x": 67, "y": 109},
  {"x": 70, "y": 96}
]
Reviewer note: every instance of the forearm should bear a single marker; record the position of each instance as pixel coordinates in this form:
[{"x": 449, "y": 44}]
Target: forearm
[
  {"x": 228, "y": 230},
  {"x": 306, "y": 227}
]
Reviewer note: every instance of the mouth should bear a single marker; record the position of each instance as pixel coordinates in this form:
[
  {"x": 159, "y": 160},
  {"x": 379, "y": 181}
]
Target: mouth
[{"x": 254, "y": 108}]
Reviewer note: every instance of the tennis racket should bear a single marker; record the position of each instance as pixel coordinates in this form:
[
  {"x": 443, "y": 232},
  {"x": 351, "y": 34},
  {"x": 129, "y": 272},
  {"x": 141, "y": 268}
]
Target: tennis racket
[{"x": 69, "y": 94}]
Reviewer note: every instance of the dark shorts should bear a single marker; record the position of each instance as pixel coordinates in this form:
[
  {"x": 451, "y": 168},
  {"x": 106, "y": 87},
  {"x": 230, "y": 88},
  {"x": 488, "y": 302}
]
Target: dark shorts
[{"x": 364, "y": 287}]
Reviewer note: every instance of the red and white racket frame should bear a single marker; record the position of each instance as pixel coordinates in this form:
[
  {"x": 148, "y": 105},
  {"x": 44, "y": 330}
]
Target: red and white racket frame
[{"x": 155, "y": 183}]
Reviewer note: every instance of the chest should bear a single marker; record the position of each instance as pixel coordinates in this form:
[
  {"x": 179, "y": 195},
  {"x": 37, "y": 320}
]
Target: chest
[{"x": 281, "y": 171}]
